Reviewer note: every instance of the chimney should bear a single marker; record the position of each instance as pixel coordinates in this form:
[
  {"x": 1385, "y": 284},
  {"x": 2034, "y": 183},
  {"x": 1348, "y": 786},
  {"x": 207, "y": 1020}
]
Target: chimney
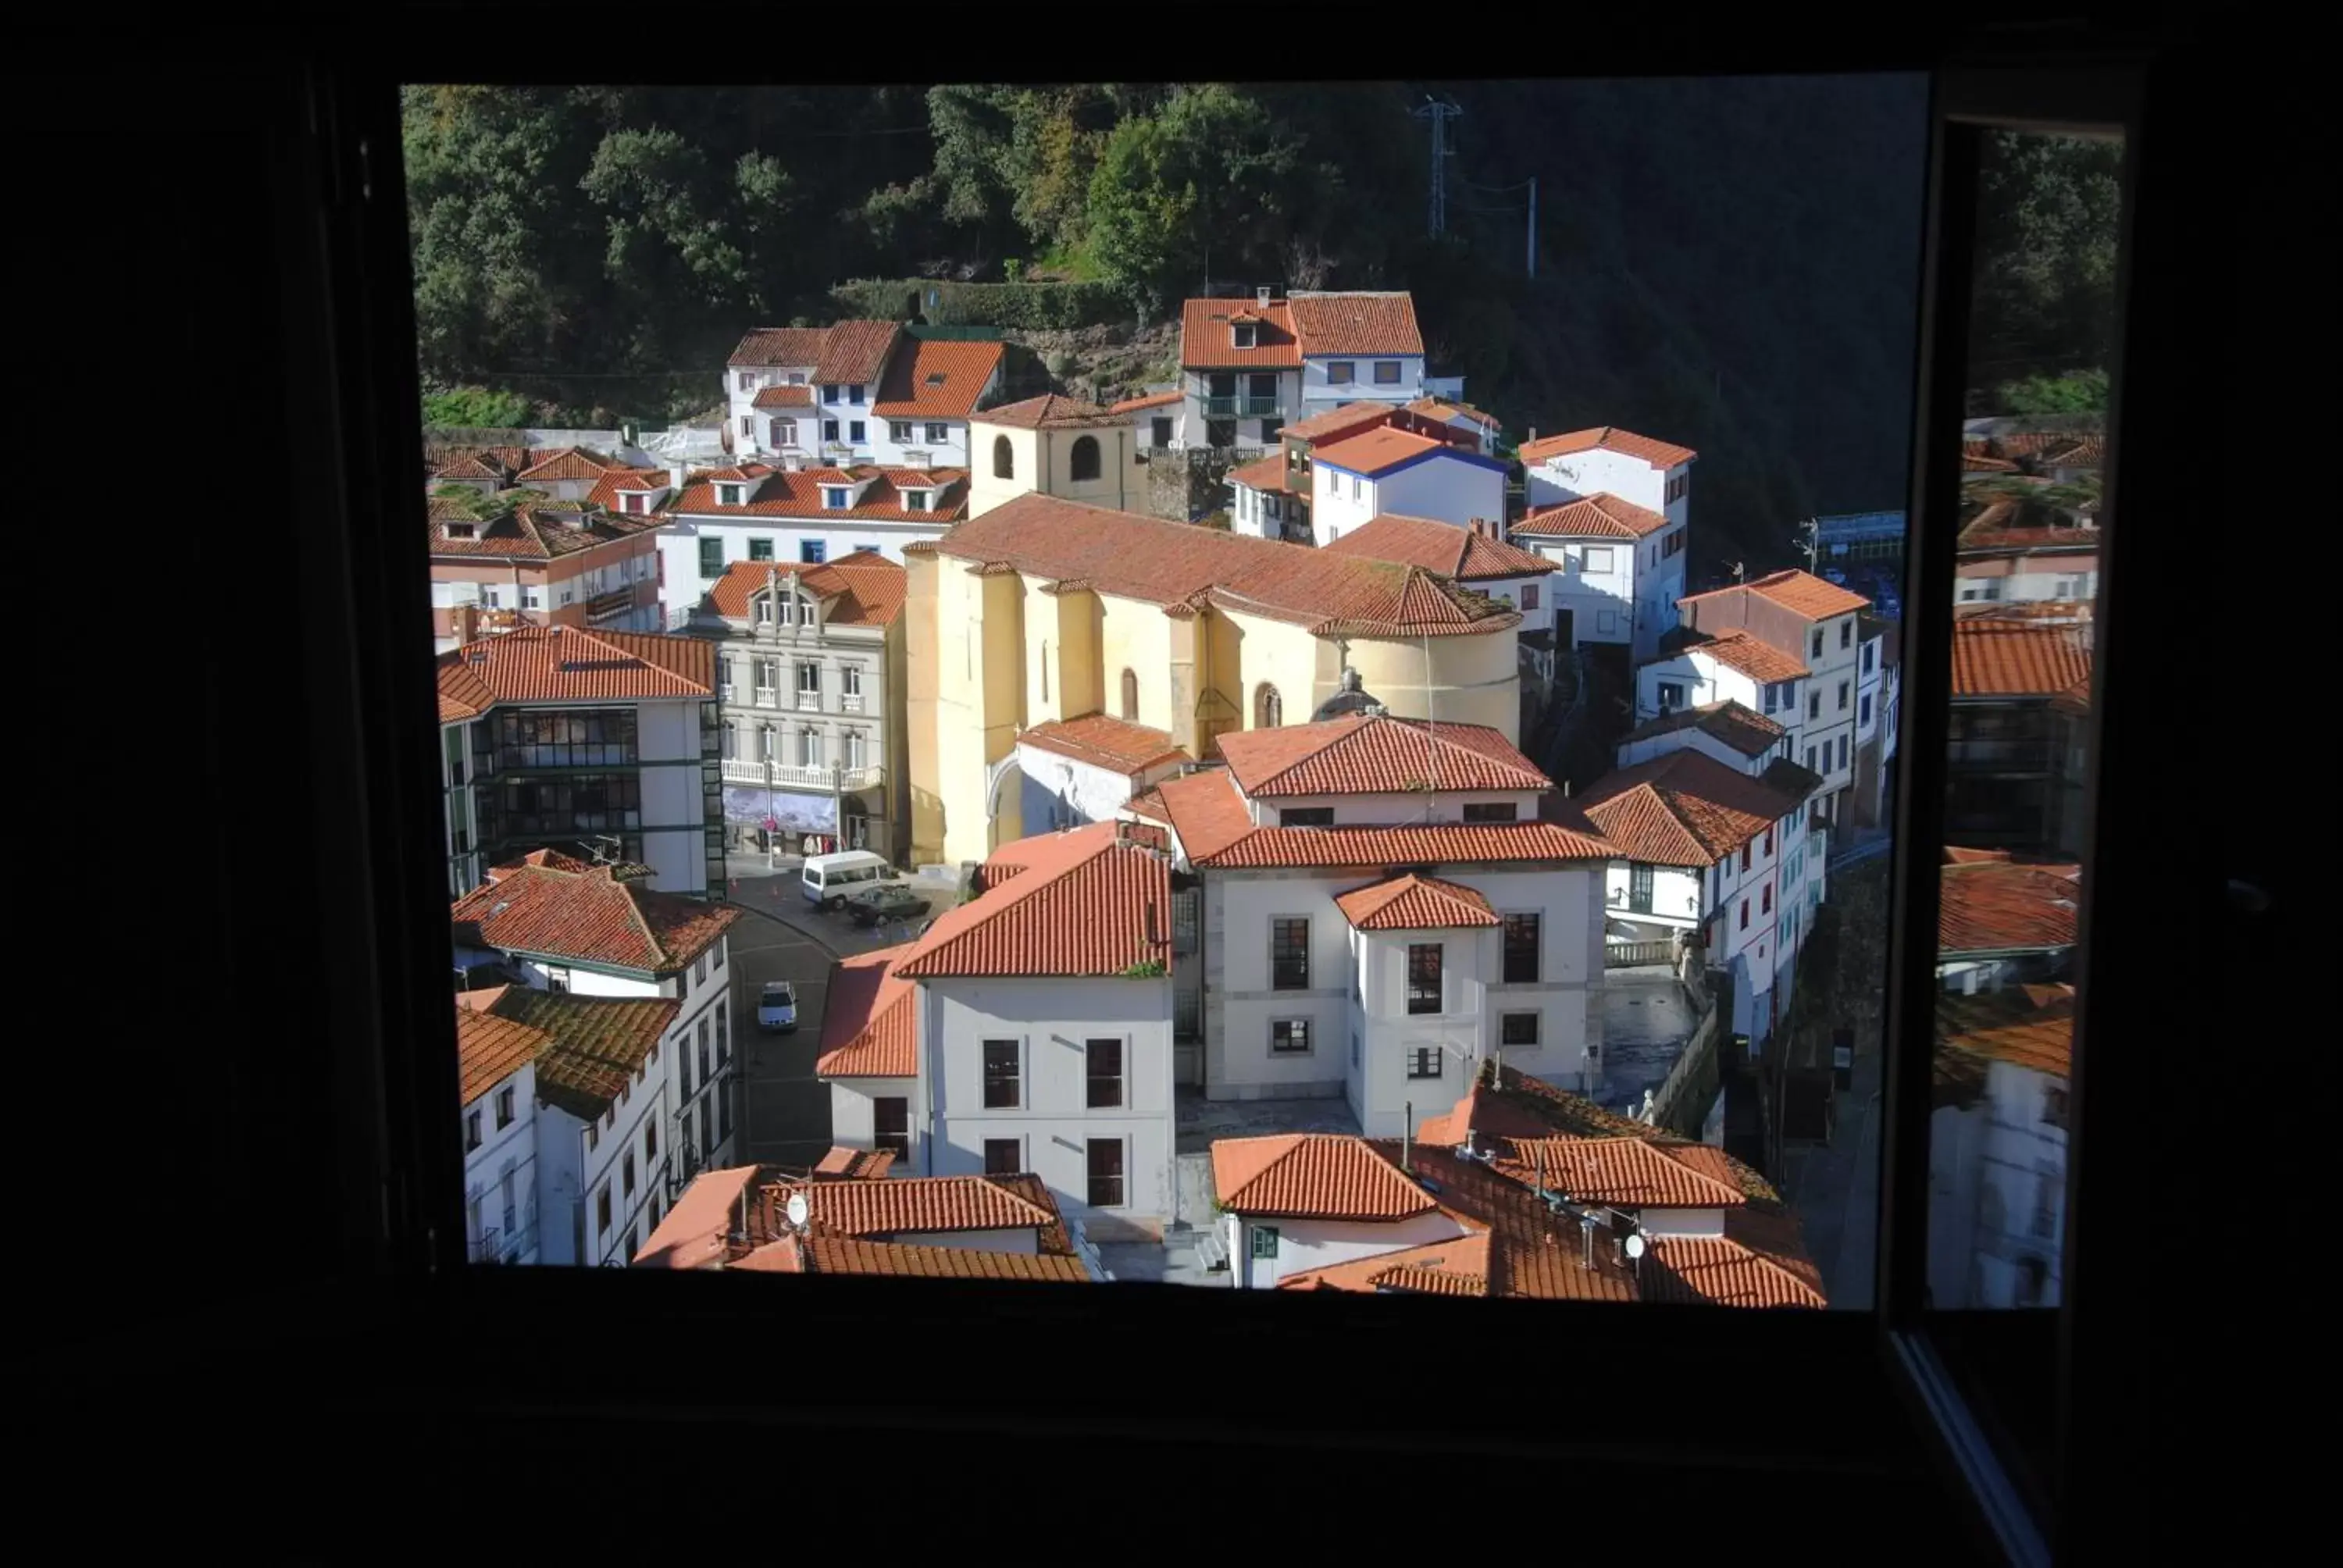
[
  {"x": 1531, "y": 437},
  {"x": 675, "y": 475},
  {"x": 1260, "y": 295}
]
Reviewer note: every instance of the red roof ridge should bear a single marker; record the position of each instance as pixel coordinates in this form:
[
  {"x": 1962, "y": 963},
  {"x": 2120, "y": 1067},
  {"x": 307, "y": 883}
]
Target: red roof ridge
[
  {"x": 1601, "y": 515},
  {"x": 1413, "y": 902},
  {"x": 1611, "y": 438},
  {"x": 1324, "y": 1175}
]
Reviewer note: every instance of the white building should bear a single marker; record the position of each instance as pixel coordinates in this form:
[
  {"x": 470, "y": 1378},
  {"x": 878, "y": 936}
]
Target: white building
[
  {"x": 1475, "y": 556},
  {"x": 1998, "y": 1147},
  {"x": 497, "y": 1058},
  {"x": 634, "y": 989},
  {"x": 797, "y": 516},
  {"x": 1028, "y": 1030},
  {"x": 1157, "y": 419},
  {"x": 809, "y": 671},
  {"x": 1087, "y": 769},
  {"x": 1653, "y": 475},
  {"x": 1297, "y": 1202},
  {"x": 858, "y": 392},
  {"x": 1618, "y": 571},
  {"x": 1814, "y": 622},
  {"x": 1327, "y": 973},
  {"x": 1706, "y": 848},
  {"x": 1397, "y": 471},
  {"x": 599, "y": 741},
  {"x": 1251, "y": 366}
]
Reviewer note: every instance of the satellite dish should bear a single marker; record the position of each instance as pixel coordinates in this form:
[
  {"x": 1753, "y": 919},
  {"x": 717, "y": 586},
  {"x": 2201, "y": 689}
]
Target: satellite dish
[
  {"x": 797, "y": 1209},
  {"x": 1635, "y": 1243}
]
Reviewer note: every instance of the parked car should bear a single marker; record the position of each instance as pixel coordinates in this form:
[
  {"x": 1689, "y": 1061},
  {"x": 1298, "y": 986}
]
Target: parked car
[
  {"x": 777, "y": 1009},
  {"x": 888, "y": 901}
]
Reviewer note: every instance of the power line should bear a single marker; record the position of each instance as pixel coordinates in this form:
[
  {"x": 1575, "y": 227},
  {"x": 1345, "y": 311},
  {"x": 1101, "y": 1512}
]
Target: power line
[{"x": 1439, "y": 113}]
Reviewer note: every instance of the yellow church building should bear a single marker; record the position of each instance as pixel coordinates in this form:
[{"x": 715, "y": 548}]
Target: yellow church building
[{"x": 1040, "y": 609}]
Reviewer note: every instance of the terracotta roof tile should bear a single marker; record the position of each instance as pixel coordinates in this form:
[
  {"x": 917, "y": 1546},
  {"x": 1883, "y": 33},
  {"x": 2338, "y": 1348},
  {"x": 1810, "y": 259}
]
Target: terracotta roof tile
[
  {"x": 566, "y": 463},
  {"x": 1611, "y": 438},
  {"x": 844, "y": 1164},
  {"x": 1086, "y": 905},
  {"x": 1379, "y": 451},
  {"x": 1533, "y": 1254},
  {"x": 1601, "y": 515},
  {"x": 799, "y": 397},
  {"x": 786, "y": 493},
  {"x": 693, "y": 1233},
  {"x": 851, "y": 1255},
  {"x": 2008, "y": 1026},
  {"x": 1994, "y": 906},
  {"x": 565, "y": 663},
  {"x": 1801, "y": 593},
  {"x": 864, "y": 588},
  {"x": 936, "y": 379},
  {"x": 2000, "y": 658},
  {"x": 1148, "y": 400},
  {"x": 528, "y": 533},
  {"x": 1448, "y": 408},
  {"x": 1627, "y": 1173},
  {"x": 592, "y": 918},
  {"x": 1682, "y": 808},
  {"x": 1206, "y": 341},
  {"x": 1466, "y": 555},
  {"x": 870, "y": 1018},
  {"x": 1175, "y": 564},
  {"x": 1426, "y": 844},
  {"x": 1270, "y": 473},
  {"x": 1482, "y": 1113},
  {"x": 1116, "y": 745},
  {"x": 596, "y": 1042},
  {"x": 782, "y": 346},
  {"x": 915, "y": 1203},
  {"x": 1355, "y": 323},
  {"x": 1734, "y": 1270},
  {"x": 1312, "y": 1175},
  {"x": 1203, "y": 809},
  {"x": 1415, "y": 903},
  {"x": 1457, "y": 1267},
  {"x": 1980, "y": 463},
  {"x": 1751, "y": 655},
  {"x": 1052, "y": 411},
  {"x": 1339, "y": 424},
  {"x": 1376, "y": 754},
  {"x": 1745, "y": 729},
  {"x": 855, "y": 353},
  {"x": 490, "y": 1048}
]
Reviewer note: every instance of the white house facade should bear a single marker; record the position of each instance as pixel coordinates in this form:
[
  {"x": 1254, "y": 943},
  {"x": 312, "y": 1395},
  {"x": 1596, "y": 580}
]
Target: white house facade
[
  {"x": 1249, "y": 366},
  {"x": 498, "y": 1059},
  {"x": 1997, "y": 1149},
  {"x": 1397, "y": 471}
]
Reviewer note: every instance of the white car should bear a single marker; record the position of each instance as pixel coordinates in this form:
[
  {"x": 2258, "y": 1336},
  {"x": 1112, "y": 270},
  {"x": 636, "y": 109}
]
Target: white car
[{"x": 777, "y": 1009}]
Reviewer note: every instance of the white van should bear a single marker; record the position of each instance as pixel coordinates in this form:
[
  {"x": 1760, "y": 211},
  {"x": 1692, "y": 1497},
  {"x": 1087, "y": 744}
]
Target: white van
[{"x": 828, "y": 881}]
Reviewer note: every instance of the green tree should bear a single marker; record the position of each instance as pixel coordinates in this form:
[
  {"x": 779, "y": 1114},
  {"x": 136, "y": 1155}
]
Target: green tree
[
  {"x": 476, "y": 408},
  {"x": 1211, "y": 169},
  {"x": 2078, "y": 392},
  {"x": 2047, "y": 213}
]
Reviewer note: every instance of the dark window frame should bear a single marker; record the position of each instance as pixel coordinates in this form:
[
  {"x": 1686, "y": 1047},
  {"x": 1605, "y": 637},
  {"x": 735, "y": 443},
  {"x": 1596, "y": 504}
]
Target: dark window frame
[
  {"x": 1524, "y": 947},
  {"x": 993, "y": 1079},
  {"x": 1427, "y": 979},
  {"x": 1289, "y": 952},
  {"x": 1117, "y": 1083}
]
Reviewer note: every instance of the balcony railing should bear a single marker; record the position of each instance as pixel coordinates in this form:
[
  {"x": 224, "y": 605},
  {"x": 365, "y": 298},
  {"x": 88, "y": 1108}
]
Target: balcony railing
[
  {"x": 810, "y": 701},
  {"x": 1240, "y": 408},
  {"x": 618, "y": 602},
  {"x": 850, "y": 702},
  {"x": 796, "y": 775},
  {"x": 764, "y": 697}
]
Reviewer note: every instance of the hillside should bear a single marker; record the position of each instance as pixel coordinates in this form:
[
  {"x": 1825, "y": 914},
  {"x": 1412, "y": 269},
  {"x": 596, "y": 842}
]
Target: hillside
[{"x": 1730, "y": 264}]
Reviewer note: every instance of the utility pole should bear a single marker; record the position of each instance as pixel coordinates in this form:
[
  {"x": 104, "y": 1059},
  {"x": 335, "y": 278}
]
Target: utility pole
[
  {"x": 1534, "y": 227},
  {"x": 1439, "y": 113},
  {"x": 1809, "y": 542}
]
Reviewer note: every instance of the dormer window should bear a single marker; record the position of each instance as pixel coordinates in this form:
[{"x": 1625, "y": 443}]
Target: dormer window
[
  {"x": 634, "y": 501},
  {"x": 836, "y": 497},
  {"x": 918, "y": 500},
  {"x": 463, "y": 530},
  {"x": 731, "y": 495},
  {"x": 765, "y": 611},
  {"x": 1244, "y": 332}
]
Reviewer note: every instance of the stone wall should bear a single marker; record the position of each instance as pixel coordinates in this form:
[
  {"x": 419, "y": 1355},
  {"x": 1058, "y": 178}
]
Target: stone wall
[{"x": 1187, "y": 485}]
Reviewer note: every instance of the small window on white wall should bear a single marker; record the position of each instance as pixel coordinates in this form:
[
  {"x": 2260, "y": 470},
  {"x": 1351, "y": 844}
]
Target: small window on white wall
[{"x": 1598, "y": 557}]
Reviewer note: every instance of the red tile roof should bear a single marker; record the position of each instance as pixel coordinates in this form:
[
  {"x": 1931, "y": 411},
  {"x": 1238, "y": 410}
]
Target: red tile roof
[
  {"x": 1429, "y": 844},
  {"x": 1994, "y": 906},
  {"x": 565, "y": 663},
  {"x": 1269, "y": 473},
  {"x": 2001, "y": 529},
  {"x": 1601, "y": 515},
  {"x": 870, "y": 1018},
  {"x": 1627, "y": 1173},
  {"x": 1533, "y": 1254},
  {"x": 783, "y": 397},
  {"x": 855, "y": 353},
  {"x": 566, "y": 463},
  {"x": 1312, "y": 1175},
  {"x": 937, "y": 379},
  {"x": 1380, "y": 450},
  {"x": 1148, "y": 400},
  {"x": 1457, "y": 1267},
  {"x": 1754, "y": 657},
  {"x": 864, "y": 588},
  {"x": 538, "y": 533},
  {"x": 1207, "y": 343},
  {"x": 1177, "y": 564},
  {"x": 844, "y": 1164},
  {"x": 2075, "y": 698},
  {"x": 693, "y": 1234},
  {"x": 1979, "y": 463},
  {"x": 1484, "y": 1114},
  {"x": 1415, "y": 903},
  {"x": 1203, "y": 809},
  {"x": 917, "y": 1204},
  {"x": 597, "y": 1043},
  {"x": 1116, "y": 745},
  {"x": 589, "y": 918},
  {"x": 849, "y": 1255},
  {"x": 1376, "y": 754},
  {"x": 553, "y": 857},
  {"x": 784, "y": 347},
  {"x": 1803, "y": 594},
  {"x": 1052, "y": 411},
  {"x": 783, "y": 493},
  {"x": 1682, "y": 808},
  {"x": 490, "y": 1049},
  {"x": 1338, "y": 424},
  {"x": 2009, "y": 1026},
  {"x": 1757, "y": 1262},
  {"x": 1744, "y": 730},
  {"x": 1355, "y": 323},
  {"x": 1467, "y": 555},
  {"x": 1611, "y": 438},
  {"x": 1446, "y": 409},
  {"x": 1086, "y": 905},
  {"x": 2002, "y": 658}
]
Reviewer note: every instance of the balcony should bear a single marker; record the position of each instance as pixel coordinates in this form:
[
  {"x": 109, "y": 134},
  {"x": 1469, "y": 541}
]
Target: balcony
[
  {"x": 796, "y": 775},
  {"x": 850, "y": 702},
  {"x": 764, "y": 697},
  {"x": 610, "y": 605},
  {"x": 810, "y": 702},
  {"x": 1240, "y": 408}
]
